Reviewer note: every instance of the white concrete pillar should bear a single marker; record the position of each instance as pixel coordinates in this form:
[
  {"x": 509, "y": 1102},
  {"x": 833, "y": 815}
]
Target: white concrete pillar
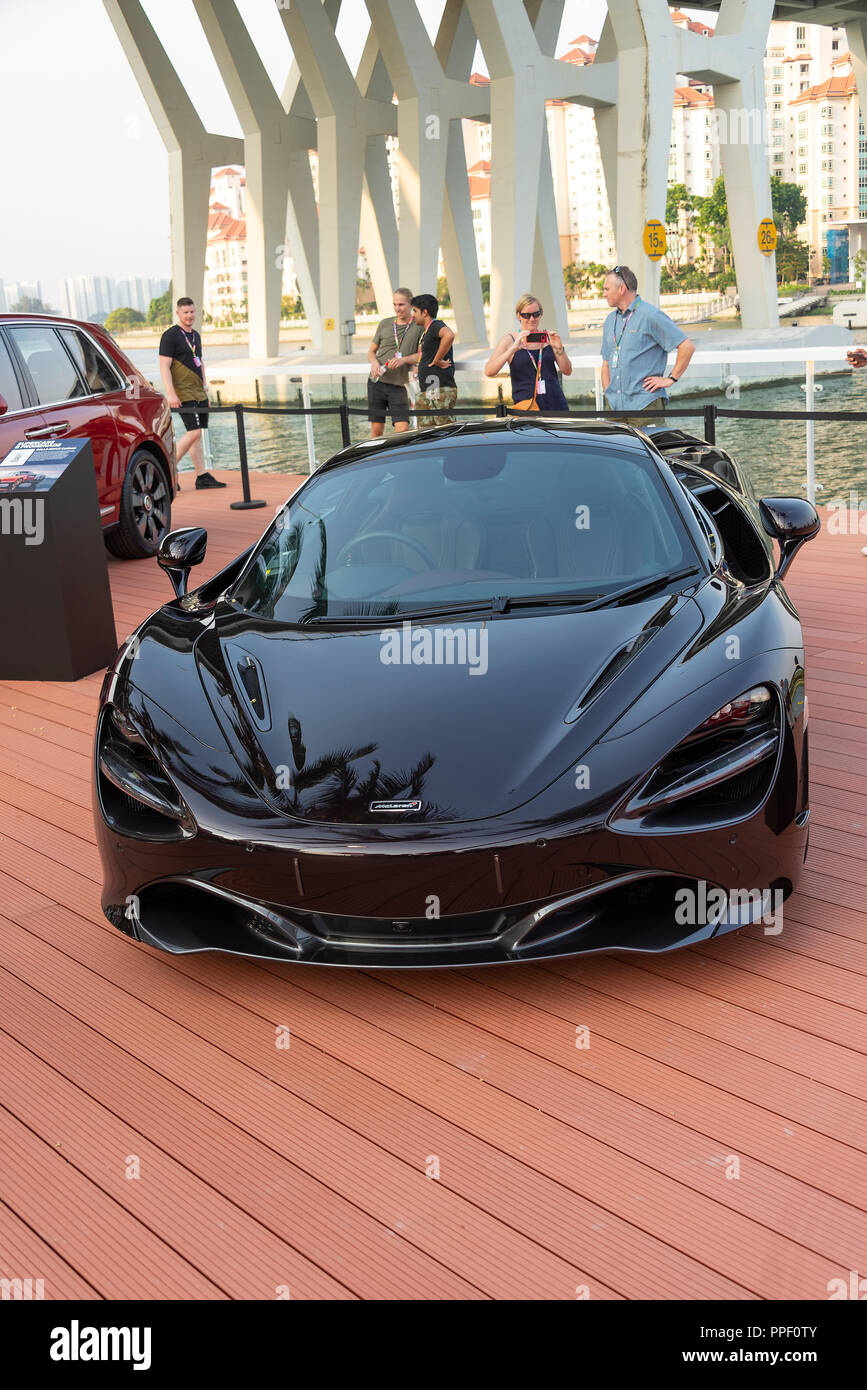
[
  {"x": 345, "y": 119},
  {"x": 744, "y": 157},
  {"x": 192, "y": 151},
  {"x": 635, "y": 136},
  {"x": 520, "y": 164},
  {"x": 269, "y": 137},
  {"x": 434, "y": 194}
]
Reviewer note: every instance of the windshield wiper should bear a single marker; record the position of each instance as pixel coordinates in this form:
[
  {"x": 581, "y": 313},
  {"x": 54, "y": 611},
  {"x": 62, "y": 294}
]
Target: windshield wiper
[
  {"x": 505, "y": 604},
  {"x": 643, "y": 589},
  {"x": 485, "y": 606}
]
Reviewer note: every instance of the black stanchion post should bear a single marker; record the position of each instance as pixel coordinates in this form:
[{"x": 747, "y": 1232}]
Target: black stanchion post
[
  {"x": 248, "y": 501},
  {"x": 344, "y": 422},
  {"x": 710, "y": 423}
]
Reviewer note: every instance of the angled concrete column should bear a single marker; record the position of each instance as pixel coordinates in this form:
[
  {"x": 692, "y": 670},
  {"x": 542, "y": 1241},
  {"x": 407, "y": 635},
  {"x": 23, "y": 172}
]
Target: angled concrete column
[
  {"x": 192, "y": 151},
  {"x": 430, "y": 105},
  {"x": 269, "y": 136},
  {"x": 520, "y": 163},
  {"x": 378, "y": 217},
  {"x": 345, "y": 119},
  {"x": 744, "y": 157},
  {"x": 635, "y": 137},
  {"x": 455, "y": 48}
]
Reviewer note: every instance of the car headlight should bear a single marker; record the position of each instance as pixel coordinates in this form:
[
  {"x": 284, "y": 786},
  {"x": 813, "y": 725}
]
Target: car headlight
[
  {"x": 137, "y": 797},
  {"x": 721, "y": 771}
]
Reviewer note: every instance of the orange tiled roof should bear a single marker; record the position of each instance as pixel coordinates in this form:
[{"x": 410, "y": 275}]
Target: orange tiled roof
[
  {"x": 688, "y": 96},
  {"x": 221, "y": 173},
  {"x": 578, "y": 56},
  {"x": 228, "y": 229},
  {"x": 800, "y": 58},
  {"x": 831, "y": 87},
  {"x": 478, "y": 80},
  {"x": 481, "y": 166}
]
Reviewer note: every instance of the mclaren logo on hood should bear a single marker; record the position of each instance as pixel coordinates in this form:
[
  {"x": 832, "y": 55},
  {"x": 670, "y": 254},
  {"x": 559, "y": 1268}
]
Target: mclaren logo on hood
[{"x": 395, "y": 805}]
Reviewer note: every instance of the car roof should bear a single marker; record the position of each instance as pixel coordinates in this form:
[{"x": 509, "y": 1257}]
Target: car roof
[{"x": 594, "y": 432}]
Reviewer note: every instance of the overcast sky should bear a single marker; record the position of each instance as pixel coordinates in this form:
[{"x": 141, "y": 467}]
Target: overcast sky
[{"x": 84, "y": 186}]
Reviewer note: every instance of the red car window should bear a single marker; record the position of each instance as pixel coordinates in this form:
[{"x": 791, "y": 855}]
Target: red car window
[
  {"x": 8, "y": 384},
  {"x": 93, "y": 366},
  {"x": 48, "y": 363}
]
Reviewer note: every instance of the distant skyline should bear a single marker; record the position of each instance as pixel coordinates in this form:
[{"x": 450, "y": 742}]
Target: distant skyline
[{"x": 85, "y": 179}]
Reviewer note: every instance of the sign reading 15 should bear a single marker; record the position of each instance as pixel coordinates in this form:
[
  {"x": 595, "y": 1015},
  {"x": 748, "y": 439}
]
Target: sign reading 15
[{"x": 654, "y": 239}]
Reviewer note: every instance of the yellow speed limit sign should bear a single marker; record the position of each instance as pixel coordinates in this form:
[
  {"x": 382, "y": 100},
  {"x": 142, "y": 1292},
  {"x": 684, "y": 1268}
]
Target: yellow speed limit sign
[
  {"x": 654, "y": 239},
  {"x": 767, "y": 236}
]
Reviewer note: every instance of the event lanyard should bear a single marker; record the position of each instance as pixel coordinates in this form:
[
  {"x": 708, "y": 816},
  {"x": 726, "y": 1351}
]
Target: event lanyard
[
  {"x": 399, "y": 340},
  {"x": 626, "y": 318},
  {"x": 192, "y": 347}
]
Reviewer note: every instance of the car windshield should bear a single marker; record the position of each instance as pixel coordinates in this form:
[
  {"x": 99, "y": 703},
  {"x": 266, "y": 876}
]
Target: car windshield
[{"x": 461, "y": 524}]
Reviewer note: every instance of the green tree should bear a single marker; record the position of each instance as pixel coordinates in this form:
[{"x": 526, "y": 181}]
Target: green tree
[
  {"x": 679, "y": 215},
  {"x": 789, "y": 206},
  {"x": 27, "y": 305},
  {"x": 126, "y": 317},
  {"x": 712, "y": 222},
  {"x": 486, "y": 288},
  {"x": 793, "y": 260},
  {"x": 160, "y": 310},
  {"x": 443, "y": 296}
]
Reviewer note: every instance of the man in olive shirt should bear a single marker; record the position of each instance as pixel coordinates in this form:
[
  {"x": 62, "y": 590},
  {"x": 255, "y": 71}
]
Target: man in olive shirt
[
  {"x": 183, "y": 372},
  {"x": 392, "y": 352}
]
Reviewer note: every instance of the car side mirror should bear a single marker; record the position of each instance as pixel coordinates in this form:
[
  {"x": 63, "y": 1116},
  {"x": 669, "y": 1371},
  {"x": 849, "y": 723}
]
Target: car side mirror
[
  {"x": 179, "y": 551},
  {"x": 791, "y": 521},
  {"x": 4, "y": 405}
]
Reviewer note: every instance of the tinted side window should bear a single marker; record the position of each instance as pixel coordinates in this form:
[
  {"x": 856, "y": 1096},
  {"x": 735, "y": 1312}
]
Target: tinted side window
[
  {"x": 53, "y": 374},
  {"x": 8, "y": 385},
  {"x": 96, "y": 371}
]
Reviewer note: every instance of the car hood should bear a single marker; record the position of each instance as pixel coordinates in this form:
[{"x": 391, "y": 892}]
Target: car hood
[{"x": 329, "y": 725}]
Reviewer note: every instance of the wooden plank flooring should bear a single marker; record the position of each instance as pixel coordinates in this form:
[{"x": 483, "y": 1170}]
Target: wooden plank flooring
[{"x": 157, "y": 1144}]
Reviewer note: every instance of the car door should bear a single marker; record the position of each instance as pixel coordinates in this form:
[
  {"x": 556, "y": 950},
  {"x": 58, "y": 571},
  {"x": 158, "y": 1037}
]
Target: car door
[
  {"x": 104, "y": 381},
  {"x": 21, "y": 419},
  {"x": 71, "y": 408}
]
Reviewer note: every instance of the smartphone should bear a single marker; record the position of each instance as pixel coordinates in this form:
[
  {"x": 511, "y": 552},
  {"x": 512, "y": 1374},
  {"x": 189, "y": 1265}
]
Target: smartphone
[{"x": 537, "y": 338}]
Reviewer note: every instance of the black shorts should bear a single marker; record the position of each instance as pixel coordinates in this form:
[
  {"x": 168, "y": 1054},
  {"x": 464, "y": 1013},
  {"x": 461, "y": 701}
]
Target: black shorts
[
  {"x": 195, "y": 414},
  {"x": 384, "y": 398}
]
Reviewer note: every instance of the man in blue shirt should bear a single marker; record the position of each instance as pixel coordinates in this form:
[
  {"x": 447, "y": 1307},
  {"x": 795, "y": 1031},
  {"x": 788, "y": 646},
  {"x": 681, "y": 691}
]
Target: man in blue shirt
[{"x": 636, "y": 340}]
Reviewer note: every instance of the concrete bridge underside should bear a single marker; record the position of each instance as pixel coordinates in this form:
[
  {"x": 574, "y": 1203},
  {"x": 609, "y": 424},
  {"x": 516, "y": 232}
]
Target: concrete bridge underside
[{"x": 347, "y": 117}]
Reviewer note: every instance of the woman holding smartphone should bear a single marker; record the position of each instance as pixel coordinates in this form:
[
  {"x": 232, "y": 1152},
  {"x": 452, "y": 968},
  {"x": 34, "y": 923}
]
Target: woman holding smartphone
[{"x": 533, "y": 358}]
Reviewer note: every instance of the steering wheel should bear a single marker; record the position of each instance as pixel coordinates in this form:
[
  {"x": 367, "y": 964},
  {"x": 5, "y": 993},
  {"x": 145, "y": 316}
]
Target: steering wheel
[{"x": 415, "y": 545}]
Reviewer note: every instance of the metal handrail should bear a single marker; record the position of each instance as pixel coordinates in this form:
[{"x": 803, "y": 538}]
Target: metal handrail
[{"x": 709, "y": 414}]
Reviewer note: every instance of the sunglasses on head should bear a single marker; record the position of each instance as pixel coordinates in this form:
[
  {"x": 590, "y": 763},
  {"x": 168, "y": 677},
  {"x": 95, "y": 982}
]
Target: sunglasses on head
[{"x": 537, "y": 315}]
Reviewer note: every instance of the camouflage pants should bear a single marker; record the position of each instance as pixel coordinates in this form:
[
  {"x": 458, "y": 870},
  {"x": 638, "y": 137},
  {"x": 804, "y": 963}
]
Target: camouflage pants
[{"x": 435, "y": 400}]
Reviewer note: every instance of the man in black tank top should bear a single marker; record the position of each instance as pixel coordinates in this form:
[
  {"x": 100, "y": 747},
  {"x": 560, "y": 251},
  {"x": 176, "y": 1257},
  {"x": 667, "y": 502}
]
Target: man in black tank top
[{"x": 436, "y": 369}]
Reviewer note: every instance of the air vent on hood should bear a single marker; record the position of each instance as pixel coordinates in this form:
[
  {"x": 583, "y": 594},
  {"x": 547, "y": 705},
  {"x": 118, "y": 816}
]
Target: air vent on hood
[
  {"x": 610, "y": 671},
  {"x": 252, "y": 681}
]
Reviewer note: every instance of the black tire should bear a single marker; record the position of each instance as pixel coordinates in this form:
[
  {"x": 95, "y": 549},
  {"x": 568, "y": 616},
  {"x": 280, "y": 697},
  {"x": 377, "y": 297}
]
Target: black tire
[{"x": 145, "y": 509}]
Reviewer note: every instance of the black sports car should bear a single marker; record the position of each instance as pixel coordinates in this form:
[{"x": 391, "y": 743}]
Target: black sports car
[{"x": 484, "y": 693}]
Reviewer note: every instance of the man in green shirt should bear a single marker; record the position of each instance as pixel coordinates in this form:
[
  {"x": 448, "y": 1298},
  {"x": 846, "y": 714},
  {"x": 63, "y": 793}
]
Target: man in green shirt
[
  {"x": 392, "y": 352},
  {"x": 183, "y": 372}
]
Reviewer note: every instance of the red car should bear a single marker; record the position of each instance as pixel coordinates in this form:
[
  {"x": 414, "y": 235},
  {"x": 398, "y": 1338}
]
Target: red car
[{"x": 63, "y": 379}]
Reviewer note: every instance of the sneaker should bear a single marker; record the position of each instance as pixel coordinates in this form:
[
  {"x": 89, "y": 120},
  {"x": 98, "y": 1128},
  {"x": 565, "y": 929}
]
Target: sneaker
[{"x": 208, "y": 480}]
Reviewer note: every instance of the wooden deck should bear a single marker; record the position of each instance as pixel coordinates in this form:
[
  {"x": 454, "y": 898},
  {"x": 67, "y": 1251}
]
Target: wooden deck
[{"x": 263, "y": 1170}]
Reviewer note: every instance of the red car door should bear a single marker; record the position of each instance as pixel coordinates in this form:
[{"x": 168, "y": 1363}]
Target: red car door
[
  {"x": 70, "y": 404},
  {"x": 19, "y": 420}
]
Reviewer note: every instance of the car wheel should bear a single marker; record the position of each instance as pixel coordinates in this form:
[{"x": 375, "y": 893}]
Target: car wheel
[{"x": 145, "y": 510}]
